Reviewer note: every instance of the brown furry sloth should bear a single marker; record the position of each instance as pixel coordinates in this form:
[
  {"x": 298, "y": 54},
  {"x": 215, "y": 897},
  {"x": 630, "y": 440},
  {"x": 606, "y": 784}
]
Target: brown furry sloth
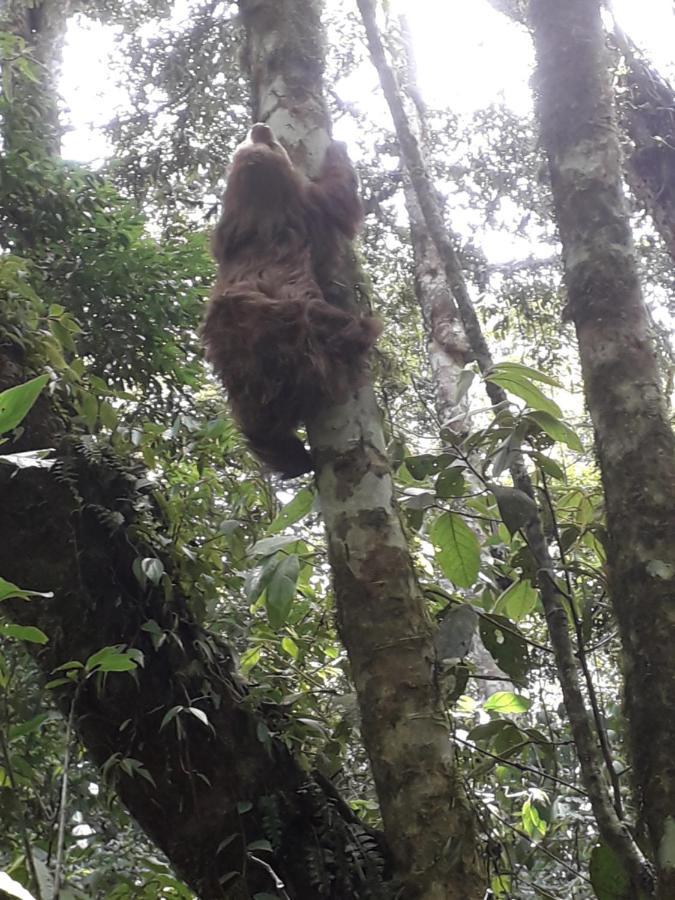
[{"x": 279, "y": 346}]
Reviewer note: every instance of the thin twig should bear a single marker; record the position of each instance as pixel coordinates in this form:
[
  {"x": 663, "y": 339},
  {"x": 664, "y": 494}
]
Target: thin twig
[{"x": 63, "y": 808}]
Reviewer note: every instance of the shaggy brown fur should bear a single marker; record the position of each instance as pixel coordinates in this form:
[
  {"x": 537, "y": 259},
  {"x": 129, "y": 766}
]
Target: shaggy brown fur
[{"x": 280, "y": 348}]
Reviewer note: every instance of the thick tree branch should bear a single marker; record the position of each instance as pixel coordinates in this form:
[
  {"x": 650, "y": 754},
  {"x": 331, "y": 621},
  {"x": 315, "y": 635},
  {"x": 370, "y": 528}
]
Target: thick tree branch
[{"x": 206, "y": 789}]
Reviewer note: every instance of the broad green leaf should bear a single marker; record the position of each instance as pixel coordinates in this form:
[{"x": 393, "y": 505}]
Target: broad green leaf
[
  {"x": 517, "y": 601},
  {"x": 24, "y": 633},
  {"x": 509, "y": 740},
  {"x": 270, "y": 545},
  {"x": 557, "y": 429},
  {"x": 522, "y": 387},
  {"x": 427, "y": 464},
  {"x": 450, "y": 483},
  {"x": 548, "y": 466},
  {"x": 458, "y": 550},
  {"x": 289, "y": 646},
  {"x": 506, "y": 703},
  {"x": 518, "y": 370},
  {"x": 111, "y": 659},
  {"x": 281, "y": 591},
  {"x": 534, "y": 826},
  {"x": 504, "y": 642},
  {"x": 249, "y": 659},
  {"x": 297, "y": 509},
  {"x": 16, "y": 402},
  {"x": 9, "y": 590}
]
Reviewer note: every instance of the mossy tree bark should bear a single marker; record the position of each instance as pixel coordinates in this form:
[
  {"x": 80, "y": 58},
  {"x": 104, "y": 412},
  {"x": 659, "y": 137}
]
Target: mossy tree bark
[
  {"x": 634, "y": 439},
  {"x": 381, "y": 612}
]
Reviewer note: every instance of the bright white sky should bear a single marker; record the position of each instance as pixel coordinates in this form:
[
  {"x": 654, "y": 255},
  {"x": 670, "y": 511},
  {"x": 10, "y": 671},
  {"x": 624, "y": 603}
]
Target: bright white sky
[{"x": 467, "y": 55}]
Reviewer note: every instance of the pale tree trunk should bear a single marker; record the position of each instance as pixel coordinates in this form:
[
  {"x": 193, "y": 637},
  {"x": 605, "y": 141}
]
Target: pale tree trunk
[
  {"x": 634, "y": 440},
  {"x": 647, "y": 115},
  {"x": 381, "y": 612},
  {"x": 593, "y": 766},
  {"x": 447, "y": 346}
]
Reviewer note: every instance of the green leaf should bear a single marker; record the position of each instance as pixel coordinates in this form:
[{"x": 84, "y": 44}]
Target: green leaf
[
  {"x": 458, "y": 549},
  {"x": 289, "y": 646},
  {"x": 518, "y": 370},
  {"x": 502, "y": 639},
  {"x": 558, "y": 430},
  {"x": 548, "y": 465},
  {"x": 522, "y": 387},
  {"x": 170, "y": 715},
  {"x": 111, "y": 659},
  {"x": 281, "y": 591},
  {"x": 533, "y": 824},
  {"x": 515, "y": 507},
  {"x": 517, "y": 601},
  {"x": 506, "y": 703},
  {"x": 24, "y": 633},
  {"x": 259, "y": 845},
  {"x": 16, "y": 402},
  {"x": 488, "y": 730},
  {"x": 450, "y": 483},
  {"x": 30, "y": 726},
  {"x": 9, "y": 590},
  {"x": 270, "y": 545},
  {"x": 297, "y": 509}
]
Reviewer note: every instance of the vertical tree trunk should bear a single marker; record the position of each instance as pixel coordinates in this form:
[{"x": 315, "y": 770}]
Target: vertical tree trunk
[
  {"x": 634, "y": 440},
  {"x": 615, "y": 833},
  {"x": 381, "y": 613},
  {"x": 647, "y": 114},
  {"x": 447, "y": 346}
]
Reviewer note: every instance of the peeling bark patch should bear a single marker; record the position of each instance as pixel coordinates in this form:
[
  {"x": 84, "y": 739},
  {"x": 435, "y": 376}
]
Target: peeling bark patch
[
  {"x": 351, "y": 467},
  {"x": 381, "y": 564}
]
